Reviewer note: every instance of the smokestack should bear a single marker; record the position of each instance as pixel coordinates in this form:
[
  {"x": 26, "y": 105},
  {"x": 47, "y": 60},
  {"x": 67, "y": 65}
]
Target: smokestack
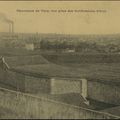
[
  {"x": 12, "y": 25},
  {"x": 9, "y": 25},
  {"x": 3, "y": 18}
]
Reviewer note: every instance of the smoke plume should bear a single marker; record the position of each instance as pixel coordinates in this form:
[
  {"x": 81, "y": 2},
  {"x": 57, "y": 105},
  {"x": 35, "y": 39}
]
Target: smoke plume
[{"x": 3, "y": 18}]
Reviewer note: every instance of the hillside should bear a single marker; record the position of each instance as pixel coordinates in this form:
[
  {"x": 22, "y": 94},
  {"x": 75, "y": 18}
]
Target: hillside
[
  {"x": 102, "y": 72},
  {"x": 25, "y": 60}
]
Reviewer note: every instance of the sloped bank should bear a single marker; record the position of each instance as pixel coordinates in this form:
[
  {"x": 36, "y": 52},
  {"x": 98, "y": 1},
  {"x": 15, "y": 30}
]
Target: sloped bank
[{"x": 29, "y": 106}]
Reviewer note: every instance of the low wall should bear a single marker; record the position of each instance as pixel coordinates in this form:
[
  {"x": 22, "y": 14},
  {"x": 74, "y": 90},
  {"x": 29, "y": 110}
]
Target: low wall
[{"x": 28, "y": 106}]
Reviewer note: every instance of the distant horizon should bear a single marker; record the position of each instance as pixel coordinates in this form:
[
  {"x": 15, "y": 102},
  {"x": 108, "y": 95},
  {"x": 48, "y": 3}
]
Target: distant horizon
[{"x": 60, "y": 33}]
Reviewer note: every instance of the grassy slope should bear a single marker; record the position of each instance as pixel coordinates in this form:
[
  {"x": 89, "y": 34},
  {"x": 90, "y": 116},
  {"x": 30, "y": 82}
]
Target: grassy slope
[
  {"x": 95, "y": 71},
  {"x": 97, "y": 66},
  {"x": 8, "y": 114},
  {"x": 25, "y": 60}
]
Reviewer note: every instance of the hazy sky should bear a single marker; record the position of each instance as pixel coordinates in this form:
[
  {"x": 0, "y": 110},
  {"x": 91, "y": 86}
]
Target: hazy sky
[{"x": 70, "y": 23}]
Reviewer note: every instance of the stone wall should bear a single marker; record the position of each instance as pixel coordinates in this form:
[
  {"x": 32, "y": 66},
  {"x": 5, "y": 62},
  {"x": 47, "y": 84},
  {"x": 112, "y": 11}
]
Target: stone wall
[
  {"x": 28, "y": 106},
  {"x": 37, "y": 85},
  {"x": 104, "y": 92},
  {"x": 12, "y": 80},
  {"x": 61, "y": 86}
]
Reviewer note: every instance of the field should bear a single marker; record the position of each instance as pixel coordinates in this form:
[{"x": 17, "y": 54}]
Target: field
[{"x": 74, "y": 58}]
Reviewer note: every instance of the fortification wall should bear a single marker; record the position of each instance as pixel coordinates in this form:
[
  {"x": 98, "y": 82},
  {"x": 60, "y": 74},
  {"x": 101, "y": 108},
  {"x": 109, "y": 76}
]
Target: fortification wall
[
  {"x": 61, "y": 86},
  {"x": 104, "y": 92},
  {"x": 37, "y": 85},
  {"x": 12, "y": 80}
]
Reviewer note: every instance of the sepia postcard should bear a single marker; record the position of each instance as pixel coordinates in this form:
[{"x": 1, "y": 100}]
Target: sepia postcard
[{"x": 59, "y": 59}]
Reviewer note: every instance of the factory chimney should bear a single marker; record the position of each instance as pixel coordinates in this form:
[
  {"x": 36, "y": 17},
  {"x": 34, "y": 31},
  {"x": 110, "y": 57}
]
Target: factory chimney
[
  {"x": 12, "y": 24},
  {"x": 4, "y": 18},
  {"x": 11, "y": 27}
]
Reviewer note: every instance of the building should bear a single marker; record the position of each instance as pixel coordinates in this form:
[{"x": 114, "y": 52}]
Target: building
[{"x": 29, "y": 46}]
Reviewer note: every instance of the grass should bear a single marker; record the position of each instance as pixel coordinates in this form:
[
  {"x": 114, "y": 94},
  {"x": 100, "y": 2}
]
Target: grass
[
  {"x": 17, "y": 52},
  {"x": 8, "y": 114},
  {"x": 25, "y": 60},
  {"x": 91, "y": 66},
  {"x": 113, "y": 110},
  {"x": 107, "y": 72},
  {"x": 74, "y": 58}
]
